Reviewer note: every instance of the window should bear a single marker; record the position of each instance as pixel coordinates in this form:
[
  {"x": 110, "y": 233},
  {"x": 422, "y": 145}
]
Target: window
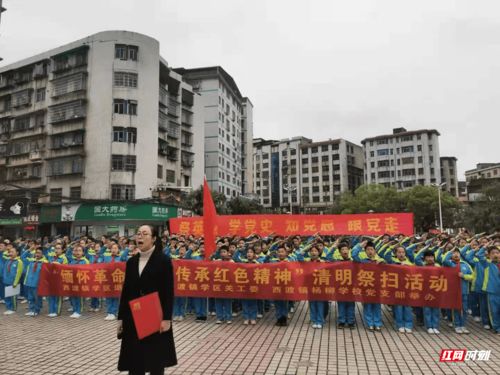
[
  {"x": 383, "y": 152},
  {"x": 314, "y": 159},
  {"x": 419, "y": 148},
  {"x": 75, "y": 192},
  {"x": 40, "y": 94},
  {"x": 159, "y": 171},
  {"x": 170, "y": 176},
  {"x": 324, "y": 158},
  {"x": 126, "y": 135},
  {"x": 420, "y": 171},
  {"x": 125, "y": 79},
  {"x": 409, "y": 172},
  {"x": 315, "y": 169},
  {"x": 430, "y": 147},
  {"x": 305, "y": 161},
  {"x": 324, "y": 148},
  {"x": 407, "y": 149},
  {"x": 315, "y": 179},
  {"x": 406, "y": 138},
  {"x": 56, "y": 195},
  {"x": 382, "y": 141},
  {"x": 384, "y": 174},
  {"x": 408, "y": 160},
  {"x": 125, "y": 107},
  {"x": 124, "y": 52},
  {"x": 420, "y": 159},
  {"x": 314, "y": 150},
  {"x": 382, "y": 163},
  {"x": 123, "y": 163},
  {"x": 123, "y": 192},
  {"x": 305, "y": 180}
]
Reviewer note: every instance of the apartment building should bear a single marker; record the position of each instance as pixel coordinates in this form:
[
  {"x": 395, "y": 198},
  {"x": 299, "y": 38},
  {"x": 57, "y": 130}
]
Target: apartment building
[
  {"x": 484, "y": 175},
  {"x": 403, "y": 159},
  {"x": 449, "y": 175},
  {"x": 299, "y": 175},
  {"x": 228, "y": 126},
  {"x": 101, "y": 118}
]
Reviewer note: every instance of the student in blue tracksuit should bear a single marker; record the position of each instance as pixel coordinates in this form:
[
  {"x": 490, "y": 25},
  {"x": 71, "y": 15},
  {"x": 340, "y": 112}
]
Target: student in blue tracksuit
[
  {"x": 55, "y": 302},
  {"x": 427, "y": 258},
  {"x": 452, "y": 259},
  {"x": 281, "y": 306},
  {"x": 112, "y": 255},
  {"x": 33, "y": 269},
  {"x": 12, "y": 273},
  {"x": 223, "y": 306},
  {"x": 372, "y": 312},
  {"x": 179, "y": 312},
  {"x": 477, "y": 285},
  {"x": 94, "y": 257},
  {"x": 402, "y": 314},
  {"x": 345, "y": 309},
  {"x": 77, "y": 302},
  {"x": 4, "y": 256},
  {"x": 199, "y": 303},
  {"x": 249, "y": 306},
  {"x": 316, "y": 308},
  {"x": 491, "y": 283}
]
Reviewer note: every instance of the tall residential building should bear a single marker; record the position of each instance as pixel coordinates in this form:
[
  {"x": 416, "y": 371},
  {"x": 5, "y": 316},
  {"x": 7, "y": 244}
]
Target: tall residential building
[
  {"x": 228, "y": 129},
  {"x": 484, "y": 175},
  {"x": 305, "y": 175},
  {"x": 103, "y": 117},
  {"x": 403, "y": 159},
  {"x": 449, "y": 174}
]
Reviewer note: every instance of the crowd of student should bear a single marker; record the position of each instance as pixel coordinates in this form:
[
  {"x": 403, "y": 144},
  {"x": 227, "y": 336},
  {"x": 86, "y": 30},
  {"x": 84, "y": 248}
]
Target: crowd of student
[{"x": 478, "y": 257}]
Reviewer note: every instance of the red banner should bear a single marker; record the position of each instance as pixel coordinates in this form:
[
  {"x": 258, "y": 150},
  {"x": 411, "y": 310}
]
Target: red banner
[
  {"x": 339, "y": 281},
  {"x": 244, "y": 225},
  {"x": 89, "y": 280}
]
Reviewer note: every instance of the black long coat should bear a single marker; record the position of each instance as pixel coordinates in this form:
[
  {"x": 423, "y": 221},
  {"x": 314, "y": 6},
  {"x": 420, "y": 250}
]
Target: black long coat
[{"x": 157, "y": 350}]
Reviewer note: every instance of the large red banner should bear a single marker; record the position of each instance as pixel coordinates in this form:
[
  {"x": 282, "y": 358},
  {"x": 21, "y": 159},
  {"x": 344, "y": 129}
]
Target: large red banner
[
  {"x": 244, "y": 225},
  {"x": 89, "y": 280},
  {"x": 339, "y": 281}
]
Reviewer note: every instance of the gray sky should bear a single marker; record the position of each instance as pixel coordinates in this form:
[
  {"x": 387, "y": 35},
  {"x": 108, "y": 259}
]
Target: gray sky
[{"x": 321, "y": 69}]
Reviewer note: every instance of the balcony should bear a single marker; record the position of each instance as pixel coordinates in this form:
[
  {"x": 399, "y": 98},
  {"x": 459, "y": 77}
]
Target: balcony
[
  {"x": 22, "y": 98},
  {"x": 67, "y": 112},
  {"x": 65, "y": 167},
  {"x": 187, "y": 161},
  {"x": 69, "y": 84},
  {"x": 173, "y": 130}
]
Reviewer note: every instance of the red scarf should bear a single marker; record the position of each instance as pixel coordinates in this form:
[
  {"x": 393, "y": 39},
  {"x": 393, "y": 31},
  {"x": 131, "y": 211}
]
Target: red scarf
[
  {"x": 10, "y": 264},
  {"x": 35, "y": 266}
]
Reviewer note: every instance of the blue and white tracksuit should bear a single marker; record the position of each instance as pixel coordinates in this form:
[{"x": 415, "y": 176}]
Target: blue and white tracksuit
[{"x": 31, "y": 280}]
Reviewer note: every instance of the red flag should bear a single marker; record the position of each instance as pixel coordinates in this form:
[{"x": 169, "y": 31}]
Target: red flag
[{"x": 209, "y": 219}]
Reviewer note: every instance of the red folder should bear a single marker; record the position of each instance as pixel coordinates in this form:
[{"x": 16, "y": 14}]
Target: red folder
[{"x": 147, "y": 314}]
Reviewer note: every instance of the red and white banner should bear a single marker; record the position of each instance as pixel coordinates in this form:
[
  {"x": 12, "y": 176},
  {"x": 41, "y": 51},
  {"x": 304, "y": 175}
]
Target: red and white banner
[
  {"x": 286, "y": 225},
  {"x": 338, "y": 281}
]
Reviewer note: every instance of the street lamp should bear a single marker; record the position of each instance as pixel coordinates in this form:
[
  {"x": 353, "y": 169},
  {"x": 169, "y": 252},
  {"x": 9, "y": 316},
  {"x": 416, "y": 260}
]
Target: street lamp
[
  {"x": 439, "y": 186},
  {"x": 290, "y": 189}
]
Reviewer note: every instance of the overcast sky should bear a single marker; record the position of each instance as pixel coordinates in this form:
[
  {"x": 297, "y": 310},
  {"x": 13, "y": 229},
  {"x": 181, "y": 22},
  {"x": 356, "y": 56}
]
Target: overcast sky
[{"x": 320, "y": 69}]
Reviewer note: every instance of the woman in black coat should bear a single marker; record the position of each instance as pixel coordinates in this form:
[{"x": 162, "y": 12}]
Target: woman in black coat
[{"x": 147, "y": 272}]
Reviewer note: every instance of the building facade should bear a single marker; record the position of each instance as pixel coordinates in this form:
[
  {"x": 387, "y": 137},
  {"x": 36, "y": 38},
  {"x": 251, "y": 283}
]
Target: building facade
[
  {"x": 101, "y": 118},
  {"x": 228, "y": 129},
  {"x": 449, "y": 174},
  {"x": 298, "y": 175},
  {"x": 484, "y": 175},
  {"x": 403, "y": 159}
]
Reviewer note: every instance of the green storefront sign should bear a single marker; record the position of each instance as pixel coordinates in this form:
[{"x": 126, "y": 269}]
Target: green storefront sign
[
  {"x": 13, "y": 221},
  {"x": 108, "y": 212}
]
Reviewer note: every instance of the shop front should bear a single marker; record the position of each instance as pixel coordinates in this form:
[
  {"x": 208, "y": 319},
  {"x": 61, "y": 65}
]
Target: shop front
[{"x": 104, "y": 218}]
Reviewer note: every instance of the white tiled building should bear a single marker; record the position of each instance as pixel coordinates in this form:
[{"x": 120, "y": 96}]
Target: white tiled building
[
  {"x": 403, "y": 159},
  {"x": 103, "y": 117},
  {"x": 449, "y": 174},
  {"x": 228, "y": 129},
  {"x": 308, "y": 175}
]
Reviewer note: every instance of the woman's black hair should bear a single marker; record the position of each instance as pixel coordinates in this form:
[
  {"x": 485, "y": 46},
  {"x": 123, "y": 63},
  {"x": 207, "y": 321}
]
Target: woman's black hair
[{"x": 157, "y": 238}]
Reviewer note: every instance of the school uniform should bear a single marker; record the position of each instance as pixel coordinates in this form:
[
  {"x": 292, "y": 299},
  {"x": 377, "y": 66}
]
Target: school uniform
[
  {"x": 477, "y": 287},
  {"x": 111, "y": 302},
  {"x": 372, "y": 312},
  {"x": 199, "y": 303},
  {"x": 431, "y": 314},
  {"x": 55, "y": 302},
  {"x": 12, "y": 273},
  {"x": 223, "y": 306},
  {"x": 3, "y": 259},
  {"x": 491, "y": 285},
  {"x": 77, "y": 302},
  {"x": 345, "y": 309},
  {"x": 460, "y": 315},
  {"x": 94, "y": 258},
  {"x": 31, "y": 280}
]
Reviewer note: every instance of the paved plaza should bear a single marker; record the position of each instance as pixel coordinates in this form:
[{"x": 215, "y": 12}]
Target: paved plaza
[{"x": 87, "y": 345}]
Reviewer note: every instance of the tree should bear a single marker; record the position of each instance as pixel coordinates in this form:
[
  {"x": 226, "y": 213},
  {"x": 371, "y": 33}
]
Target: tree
[
  {"x": 194, "y": 201},
  {"x": 244, "y": 206},
  {"x": 423, "y": 202},
  {"x": 370, "y": 197},
  {"x": 483, "y": 214}
]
